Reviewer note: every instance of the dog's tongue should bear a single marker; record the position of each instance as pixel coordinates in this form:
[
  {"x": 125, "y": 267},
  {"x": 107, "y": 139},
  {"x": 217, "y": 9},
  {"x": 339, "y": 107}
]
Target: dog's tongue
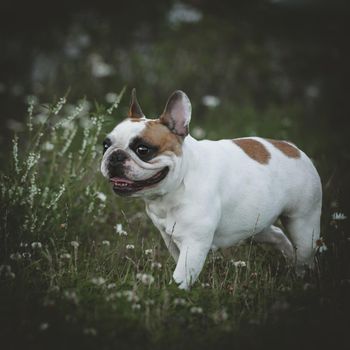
[{"x": 119, "y": 180}]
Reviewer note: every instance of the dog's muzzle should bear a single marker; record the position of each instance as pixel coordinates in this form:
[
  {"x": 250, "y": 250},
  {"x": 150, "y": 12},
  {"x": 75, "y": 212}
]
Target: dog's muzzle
[{"x": 115, "y": 163}]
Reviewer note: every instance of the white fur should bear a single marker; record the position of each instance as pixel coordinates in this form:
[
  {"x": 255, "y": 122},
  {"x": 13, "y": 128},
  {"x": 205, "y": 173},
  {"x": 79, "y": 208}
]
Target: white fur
[{"x": 215, "y": 196}]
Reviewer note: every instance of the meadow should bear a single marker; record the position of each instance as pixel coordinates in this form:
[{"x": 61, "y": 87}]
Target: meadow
[{"x": 83, "y": 268}]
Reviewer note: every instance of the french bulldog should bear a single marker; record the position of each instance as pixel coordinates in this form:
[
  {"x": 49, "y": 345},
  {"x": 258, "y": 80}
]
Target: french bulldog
[{"x": 204, "y": 195}]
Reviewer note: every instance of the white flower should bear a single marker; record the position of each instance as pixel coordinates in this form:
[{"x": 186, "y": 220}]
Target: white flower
[
  {"x": 156, "y": 265},
  {"x": 74, "y": 244},
  {"x": 220, "y": 316},
  {"x": 16, "y": 256},
  {"x": 36, "y": 245},
  {"x": 196, "y": 310},
  {"x": 148, "y": 251},
  {"x": 111, "y": 97},
  {"x": 44, "y": 326},
  {"x": 65, "y": 256},
  {"x": 136, "y": 306},
  {"x": 48, "y": 146},
  {"x": 206, "y": 285},
  {"x": 99, "y": 68},
  {"x": 198, "y": 132},
  {"x": 99, "y": 281},
  {"x": 183, "y": 13},
  {"x": 179, "y": 301},
  {"x": 210, "y": 101},
  {"x": 130, "y": 295},
  {"x": 101, "y": 196},
  {"x": 111, "y": 286},
  {"x": 106, "y": 243},
  {"x": 130, "y": 247},
  {"x": 119, "y": 230},
  {"x": 90, "y": 331},
  {"x": 339, "y": 216},
  {"x": 145, "y": 278},
  {"x": 239, "y": 263},
  {"x": 26, "y": 255},
  {"x": 71, "y": 296}
]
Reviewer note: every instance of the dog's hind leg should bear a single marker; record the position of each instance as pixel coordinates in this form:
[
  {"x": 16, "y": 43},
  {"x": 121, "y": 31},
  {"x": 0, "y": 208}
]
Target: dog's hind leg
[{"x": 275, "y": 236}]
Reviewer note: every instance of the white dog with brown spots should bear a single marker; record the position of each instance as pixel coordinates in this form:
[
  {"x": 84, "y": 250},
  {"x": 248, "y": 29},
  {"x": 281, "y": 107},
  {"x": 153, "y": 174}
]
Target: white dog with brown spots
[{"x": 204, "y": 195}]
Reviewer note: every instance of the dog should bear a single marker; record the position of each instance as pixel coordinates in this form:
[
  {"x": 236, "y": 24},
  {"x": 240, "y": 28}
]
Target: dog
[{"x": 204, "y": 195}]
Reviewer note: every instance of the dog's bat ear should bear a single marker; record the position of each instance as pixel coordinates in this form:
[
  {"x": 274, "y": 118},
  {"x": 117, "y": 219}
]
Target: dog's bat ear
[
  {"x": 177, "y": 113},
  {"x": 135, "y": 110}
]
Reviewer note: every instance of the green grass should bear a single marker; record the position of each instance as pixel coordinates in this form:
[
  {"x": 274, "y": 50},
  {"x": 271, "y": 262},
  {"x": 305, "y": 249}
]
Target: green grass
[{"x": 68, "y": 278}]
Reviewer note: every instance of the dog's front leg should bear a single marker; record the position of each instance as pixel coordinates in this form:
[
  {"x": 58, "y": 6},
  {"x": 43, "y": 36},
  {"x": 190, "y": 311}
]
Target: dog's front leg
[{"x": 190, "y": 263}]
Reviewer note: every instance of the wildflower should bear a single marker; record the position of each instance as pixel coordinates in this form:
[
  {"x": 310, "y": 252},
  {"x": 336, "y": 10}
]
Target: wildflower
[
  {"x": 179, "y": 301},
  {"x": 101, "y": 196},
  {"x": 119, "y": 230},
  {"x": 74, "y": 244},
  {"x": 183, "y": 13},
  {"x": 16, "y": 256},
  {"x": 130, "y": 296},
  {"x": 26, "y": 255},
  {"x": 36, "y": 245},
  {"x": 90, "y": 331},
  {"x": 71, "y": 296},
  {"x": 98, "y": 281},
  {"x": 149, "y": 302},
  {"x": 210, "y": 101},
  {"x": 196, "y": 310},
  {"x": 6, "y": 271},
  {"x": 65, "y": 256},
  {"x": 220, "y": 316},
  {"x": 23, "y": 245},
  {"x": 156, "y": 265},
  {"x": 130, "y": 247},
  {"x": 198, "y": 132},
  {"x": 136, "y": 306},
  {"x": 48, "y": 146},
  {"x": 111, "y": 97},
  {"x": 106, "y": 243},
  {"x": 43, "y": 326},
  {"x": 205, "y": 285},
  {"x": 111, "y": 285},
  {"x": 148, "y": 252},
  {"x": 145, "y": 278},
  {"x": 239, "y": 263},
  {"x": 339, "y": 216},
  {"x": 321, "y": 246}
]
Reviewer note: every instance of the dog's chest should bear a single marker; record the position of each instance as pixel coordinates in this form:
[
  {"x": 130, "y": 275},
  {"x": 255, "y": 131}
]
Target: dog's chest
[{"x": 161, "y": 217}]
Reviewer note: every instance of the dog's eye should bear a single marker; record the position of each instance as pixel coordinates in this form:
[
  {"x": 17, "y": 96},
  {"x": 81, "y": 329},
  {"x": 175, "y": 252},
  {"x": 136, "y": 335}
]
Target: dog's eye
[
  {"x": 106, "y": 143},
  {"x": 142, "y": 150}
]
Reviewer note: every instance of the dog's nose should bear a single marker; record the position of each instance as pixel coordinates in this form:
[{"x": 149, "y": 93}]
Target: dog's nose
[{"x": 117, "y": 157}]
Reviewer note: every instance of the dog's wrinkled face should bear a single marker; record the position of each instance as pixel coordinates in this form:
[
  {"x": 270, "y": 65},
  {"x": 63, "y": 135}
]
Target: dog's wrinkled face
[{"x": 142, "y": 156}]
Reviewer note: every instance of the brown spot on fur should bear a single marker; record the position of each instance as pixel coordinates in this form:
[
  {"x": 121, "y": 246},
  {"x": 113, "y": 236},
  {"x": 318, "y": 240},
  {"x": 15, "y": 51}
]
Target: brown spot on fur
[
  {"x": 159, "y": 135},
  {"x": 254, "y": 149},
  {"x": 286, "y": 148}
]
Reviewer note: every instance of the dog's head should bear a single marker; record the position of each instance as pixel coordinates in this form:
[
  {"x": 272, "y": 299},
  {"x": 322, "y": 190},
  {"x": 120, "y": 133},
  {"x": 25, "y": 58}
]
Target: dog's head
[{"x": 142, "y": 157}]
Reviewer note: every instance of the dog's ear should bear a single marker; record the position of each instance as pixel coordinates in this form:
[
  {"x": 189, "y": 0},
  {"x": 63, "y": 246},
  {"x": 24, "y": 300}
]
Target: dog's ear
[
  {"x": 135, "y": 110},
  {"x": 177, "y": 113}
]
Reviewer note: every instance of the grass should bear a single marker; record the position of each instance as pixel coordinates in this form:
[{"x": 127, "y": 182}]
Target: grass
[{"x": 80, "y": 267}]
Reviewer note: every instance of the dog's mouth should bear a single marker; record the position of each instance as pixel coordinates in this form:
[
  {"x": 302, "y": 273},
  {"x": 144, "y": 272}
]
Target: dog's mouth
[{"x": 125, "y": 186}]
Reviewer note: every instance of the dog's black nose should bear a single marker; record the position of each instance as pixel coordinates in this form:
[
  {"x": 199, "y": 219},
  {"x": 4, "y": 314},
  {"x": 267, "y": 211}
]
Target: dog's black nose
[{"x": 117, "y": 157}]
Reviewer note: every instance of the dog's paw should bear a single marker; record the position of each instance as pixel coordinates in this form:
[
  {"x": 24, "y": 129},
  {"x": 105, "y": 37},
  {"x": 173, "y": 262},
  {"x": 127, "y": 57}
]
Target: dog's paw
[{"x": 181, "y": 282}]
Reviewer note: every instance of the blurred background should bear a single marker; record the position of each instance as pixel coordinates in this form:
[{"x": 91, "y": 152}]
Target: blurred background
[{"x": 276, "y": 68}]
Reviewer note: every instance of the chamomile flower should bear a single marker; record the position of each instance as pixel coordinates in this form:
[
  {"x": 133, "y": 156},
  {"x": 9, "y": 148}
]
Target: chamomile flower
[{"x": 339, "y": 216}]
